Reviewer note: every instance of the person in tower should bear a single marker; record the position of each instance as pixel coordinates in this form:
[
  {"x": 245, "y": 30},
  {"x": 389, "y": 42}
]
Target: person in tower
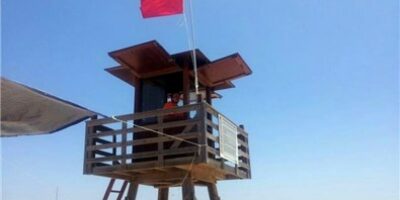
[{"x": 173, "y": 103}]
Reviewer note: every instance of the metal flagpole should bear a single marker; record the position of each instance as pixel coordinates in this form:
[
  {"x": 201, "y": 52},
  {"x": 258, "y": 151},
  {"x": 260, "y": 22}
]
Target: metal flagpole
[{"x": 190, "y": 32}]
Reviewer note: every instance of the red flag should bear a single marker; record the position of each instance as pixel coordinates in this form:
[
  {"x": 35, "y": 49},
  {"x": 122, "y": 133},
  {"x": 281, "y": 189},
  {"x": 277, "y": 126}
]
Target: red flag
[{"x": 156, "y": 8}]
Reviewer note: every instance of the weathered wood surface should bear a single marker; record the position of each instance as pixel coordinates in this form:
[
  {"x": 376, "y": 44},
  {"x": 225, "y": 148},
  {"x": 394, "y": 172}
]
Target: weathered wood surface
[{"x": 109, "y": 146}]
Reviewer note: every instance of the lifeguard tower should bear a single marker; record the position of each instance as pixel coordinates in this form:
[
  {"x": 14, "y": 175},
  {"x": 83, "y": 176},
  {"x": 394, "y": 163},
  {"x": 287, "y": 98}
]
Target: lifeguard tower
[{"x": 200, "y": 148}]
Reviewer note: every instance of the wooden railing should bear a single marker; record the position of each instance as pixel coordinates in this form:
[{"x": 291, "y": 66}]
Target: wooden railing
[{"x": 114, "y": 144}]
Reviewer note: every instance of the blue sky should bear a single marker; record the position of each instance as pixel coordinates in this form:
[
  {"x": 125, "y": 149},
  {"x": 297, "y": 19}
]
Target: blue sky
[{"x": 321, "y": 106}]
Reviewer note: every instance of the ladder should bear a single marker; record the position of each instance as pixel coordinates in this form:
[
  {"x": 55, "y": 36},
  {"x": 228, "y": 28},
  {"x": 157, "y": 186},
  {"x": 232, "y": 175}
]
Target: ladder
[{"x": 111, "y": 190}]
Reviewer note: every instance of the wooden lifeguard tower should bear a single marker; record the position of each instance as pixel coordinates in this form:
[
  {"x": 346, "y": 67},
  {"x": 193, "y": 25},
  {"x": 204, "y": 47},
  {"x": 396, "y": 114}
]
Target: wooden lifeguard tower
[{"x": 200, "y": 148}]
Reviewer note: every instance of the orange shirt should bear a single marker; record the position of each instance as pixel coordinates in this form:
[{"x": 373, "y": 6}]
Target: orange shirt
[
  {"x": 169, "y": 105},
  {"x": 175, "y": 116}
]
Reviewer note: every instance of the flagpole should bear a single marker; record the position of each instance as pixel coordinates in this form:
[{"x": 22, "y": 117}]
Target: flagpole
[{"x": 192, "y": 45}]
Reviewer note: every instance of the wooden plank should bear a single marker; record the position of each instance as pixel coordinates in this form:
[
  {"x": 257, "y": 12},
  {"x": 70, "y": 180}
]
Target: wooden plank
[
  {"x": 242, "y": 132},
  {"x": 185, "y": 130},
  {"x": 244, "y": 165},
  {"x": 167, "y": 125},
  {"x": 146, "y": 114},
  {"x": 142, "y": 141},
  {"x": 211, "y": 110},
  {"x": 102, "y": 141},
  {"x": 128, "y": 167},
  {"x": 244, "y": 154},
  {"x": 213, "y": 138},
  {"x": 200, "y": 173},
  {"x": 241, "y": 143},
  {"x": 145, "y": 154},
  {"x": 226, "y": 168},
  {"x": 160, "y": 176},
  {"x": 102, "y": 128},
  {"x": 110, "y": 133},
  {"x": 212, "y": 124},
  {"x": 146, "y": 165},
  {"x": 152, "y": 127},
  {"x": 213, "y": 151},
  {"x": 102, "y": 153},
  {"x": 165, "y": 139}
]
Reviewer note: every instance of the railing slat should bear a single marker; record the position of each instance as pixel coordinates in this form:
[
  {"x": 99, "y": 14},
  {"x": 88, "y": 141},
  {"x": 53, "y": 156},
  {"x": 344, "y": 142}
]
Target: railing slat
[
  {"x": 145, "y": 154},
  {"x": 142, "y": 115},
  {"x": 203, "y": 129},
  {"x": 154, "y": 140}
]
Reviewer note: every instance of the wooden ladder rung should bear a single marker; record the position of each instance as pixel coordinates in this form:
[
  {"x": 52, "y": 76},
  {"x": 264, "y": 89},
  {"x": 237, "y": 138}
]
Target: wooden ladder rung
[{"x": 110, "y": 190}]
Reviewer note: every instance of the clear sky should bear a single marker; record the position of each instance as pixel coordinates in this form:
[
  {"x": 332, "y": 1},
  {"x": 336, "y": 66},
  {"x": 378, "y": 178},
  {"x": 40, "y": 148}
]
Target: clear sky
[{"x": 321, "y": 106}]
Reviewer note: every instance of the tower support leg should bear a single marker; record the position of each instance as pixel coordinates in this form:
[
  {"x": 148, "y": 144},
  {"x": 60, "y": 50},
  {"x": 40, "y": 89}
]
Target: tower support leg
[
  {"x": 162, "y": 193},
  {"x": 188, "y": 189},
  {"x": 132, "y": 191},
  {"x": 212, "y": 191}
]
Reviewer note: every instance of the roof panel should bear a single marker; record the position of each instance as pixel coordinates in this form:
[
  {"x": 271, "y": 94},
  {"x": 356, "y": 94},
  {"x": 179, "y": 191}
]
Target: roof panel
[
  {"x": 145, "y": 59},
  {"x": 186, "y": 56},
  {"x": 124, "y": 74},
  {"x": 150, "y": 59},
  {"x": 224, "y": 69}
]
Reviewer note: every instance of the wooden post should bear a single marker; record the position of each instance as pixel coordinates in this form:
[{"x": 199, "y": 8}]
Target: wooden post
[
  {"x": 248, "y": 153},
  {"x": 132, "y": 191},
  {"x": 212, "y": 191},
  {"x": 160, "y": 143},
  {"x": 188, "y": 189},
  {"x": 138, "y": 105},
  {"x": 208, "y": 95},
  {"x": 124, "y": 136},
  {"x": 199, "y": 98},
  {"x": 185, "y": 84},
  {"x": 138, "y": 96},
  {"x": 202, "y": 128},
  {"x": 162, "y": 193},
  {"x": 88, "y": 168}
]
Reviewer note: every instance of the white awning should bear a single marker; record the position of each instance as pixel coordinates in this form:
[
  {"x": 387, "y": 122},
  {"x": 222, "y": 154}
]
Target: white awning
[{"x": 27, "y": 111}]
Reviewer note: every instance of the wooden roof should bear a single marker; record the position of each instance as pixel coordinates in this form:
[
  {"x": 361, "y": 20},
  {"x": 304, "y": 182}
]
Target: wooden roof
[
  {"x": 150, "y": 59},
  {"x": 146, "y": 60},
  {"x": 186, "y": 57},
  {"x": 223, "y": 71}
]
